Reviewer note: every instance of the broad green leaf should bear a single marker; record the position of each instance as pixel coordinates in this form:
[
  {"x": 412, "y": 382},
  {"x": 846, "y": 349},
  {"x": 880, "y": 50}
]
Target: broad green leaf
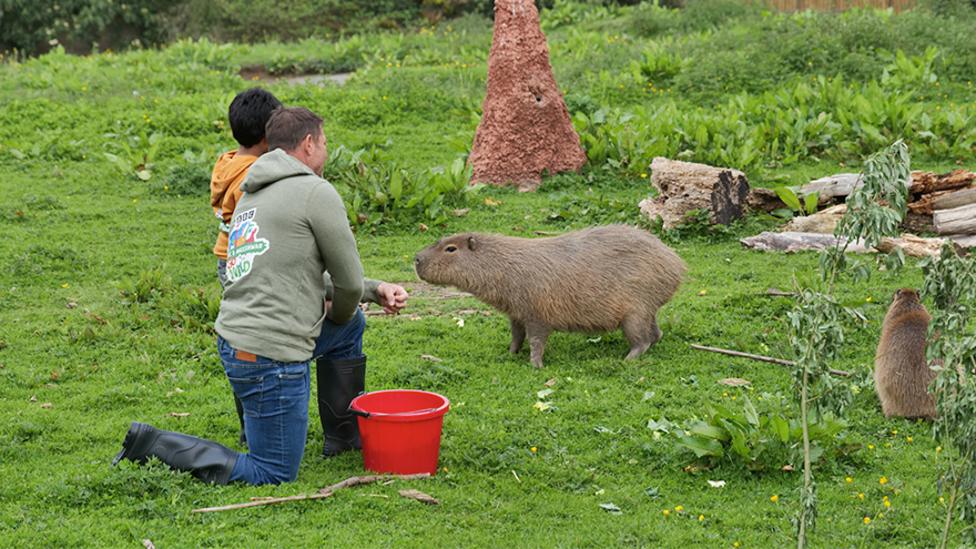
[{"x": 701, "y": 446}]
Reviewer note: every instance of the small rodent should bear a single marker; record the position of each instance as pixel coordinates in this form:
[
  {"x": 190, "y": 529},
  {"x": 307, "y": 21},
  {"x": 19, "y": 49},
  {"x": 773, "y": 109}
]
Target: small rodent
[
  {"x": 901, "y": 373},
  {"x": 594, "y": 280}
]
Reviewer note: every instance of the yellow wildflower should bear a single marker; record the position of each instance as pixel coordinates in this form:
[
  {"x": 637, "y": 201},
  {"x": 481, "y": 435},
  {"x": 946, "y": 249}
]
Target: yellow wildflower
[
  {"x": 666, "y": 512},
  {"x": 860, "y": 495},
  {"x": 883, "y": 480},
  {"x": 848, "y": 480},
  {"x": 533, "y": 449},
  {"x": 867, "y": 520},
  {"x": 679, "y": 508},
  {"x": 701, "y": 518},
  {"x": 774, "y": 498}
]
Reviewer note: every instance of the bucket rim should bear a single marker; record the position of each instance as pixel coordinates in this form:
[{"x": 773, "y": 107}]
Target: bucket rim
[{"x": 403, "y": 416}]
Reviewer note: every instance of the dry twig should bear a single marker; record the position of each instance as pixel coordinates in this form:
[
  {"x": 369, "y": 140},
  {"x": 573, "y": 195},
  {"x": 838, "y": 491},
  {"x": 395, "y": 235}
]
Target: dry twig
[
  {"x": 760, "y": 358},
  {"x": 323, "y": 493}
]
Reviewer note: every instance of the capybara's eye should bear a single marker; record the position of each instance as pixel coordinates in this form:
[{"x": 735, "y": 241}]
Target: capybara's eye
[{"x": 450, "y": 249}]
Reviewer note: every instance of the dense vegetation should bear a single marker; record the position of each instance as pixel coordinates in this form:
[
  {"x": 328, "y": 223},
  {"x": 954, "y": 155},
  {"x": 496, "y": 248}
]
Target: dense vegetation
[{"x": 108, "y": 293}]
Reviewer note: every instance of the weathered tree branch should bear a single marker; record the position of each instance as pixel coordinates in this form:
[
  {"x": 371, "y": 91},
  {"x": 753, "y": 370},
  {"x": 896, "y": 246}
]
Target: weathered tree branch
[
  {"x": 760, "y": 358},
  {"x": 323, "y": 493}
]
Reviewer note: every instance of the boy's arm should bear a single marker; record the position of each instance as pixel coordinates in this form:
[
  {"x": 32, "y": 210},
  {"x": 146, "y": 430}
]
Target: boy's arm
[{"x": 327, "y": 217}]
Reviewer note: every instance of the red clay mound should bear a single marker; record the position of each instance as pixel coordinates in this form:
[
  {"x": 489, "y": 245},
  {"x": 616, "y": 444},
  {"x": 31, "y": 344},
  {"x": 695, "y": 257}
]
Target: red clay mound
[{"x": 525, "y": 128}]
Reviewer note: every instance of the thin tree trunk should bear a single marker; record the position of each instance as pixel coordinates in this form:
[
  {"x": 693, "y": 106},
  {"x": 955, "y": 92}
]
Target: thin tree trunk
[{"x": 801, "y": 537}]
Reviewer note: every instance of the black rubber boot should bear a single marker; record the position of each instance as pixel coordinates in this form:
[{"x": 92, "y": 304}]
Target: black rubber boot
[
  {"x": 240, "y": 418},
  {"x": 339, "y": 381},
  {"x": 204, "y": 459}
]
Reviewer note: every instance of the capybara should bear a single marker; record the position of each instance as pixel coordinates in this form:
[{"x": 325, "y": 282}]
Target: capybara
[
  {"x": 593, "y": 280},
  {"x": 901, "y": 373}
]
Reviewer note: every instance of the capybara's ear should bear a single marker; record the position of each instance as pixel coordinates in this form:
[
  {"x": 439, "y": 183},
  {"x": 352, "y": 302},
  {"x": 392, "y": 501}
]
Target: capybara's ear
[{"x": 471, "y": 243}]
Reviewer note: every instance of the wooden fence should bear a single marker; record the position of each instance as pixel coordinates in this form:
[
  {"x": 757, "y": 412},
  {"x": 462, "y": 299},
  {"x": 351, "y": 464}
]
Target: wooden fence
[{"x": 840, "y": 5}]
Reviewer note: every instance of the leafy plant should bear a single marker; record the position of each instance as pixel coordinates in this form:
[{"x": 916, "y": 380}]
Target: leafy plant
[
  {"x": 950, "y": 281},
  {"x": 378, "y": 192},
  {"x": 135, "y": 151},
  {"x": 795, "y": 207},
  {"x": 760, "y": 441},
  {"x": 874, "y": 211}
]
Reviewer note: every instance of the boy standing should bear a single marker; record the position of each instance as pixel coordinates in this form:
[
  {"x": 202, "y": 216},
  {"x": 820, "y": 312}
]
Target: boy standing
[{"x": 248, "y": 114}]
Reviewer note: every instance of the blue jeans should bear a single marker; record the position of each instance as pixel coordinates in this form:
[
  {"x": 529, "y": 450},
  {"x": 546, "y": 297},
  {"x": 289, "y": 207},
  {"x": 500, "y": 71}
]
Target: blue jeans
[{"x": 275, "y": 396}]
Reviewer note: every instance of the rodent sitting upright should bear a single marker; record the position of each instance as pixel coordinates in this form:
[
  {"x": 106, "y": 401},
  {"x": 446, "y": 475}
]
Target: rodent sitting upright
[
  {"x": 901, "y": 372},
  {"x": 593, "y": 280}
]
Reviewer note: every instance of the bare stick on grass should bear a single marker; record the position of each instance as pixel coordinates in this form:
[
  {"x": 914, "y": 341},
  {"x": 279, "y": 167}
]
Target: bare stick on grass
[{"x": 323, "y": 493}]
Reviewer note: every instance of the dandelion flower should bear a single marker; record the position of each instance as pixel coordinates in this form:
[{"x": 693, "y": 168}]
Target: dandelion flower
[
  {"x": 666, "y": 512},
  {"x": 679, "y": 508},
  {"x": 908, "y": 440},
  {"x": 860, "y": 495},
  {"x": 701, "y": 518},
  {"x": 883, "y": 481},
  {"x": 867, "y": 520},
  {"x": 533, "y": 449},
  {"x": 848, "y": 480},
  {"x": 887, "y": 503},
  {"x": 870, "y": 446},
  {"x": 774, "y": 498}
]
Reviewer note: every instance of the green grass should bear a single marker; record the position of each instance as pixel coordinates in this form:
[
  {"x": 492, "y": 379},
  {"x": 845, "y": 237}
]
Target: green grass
[{"x": 107, "y": 289}]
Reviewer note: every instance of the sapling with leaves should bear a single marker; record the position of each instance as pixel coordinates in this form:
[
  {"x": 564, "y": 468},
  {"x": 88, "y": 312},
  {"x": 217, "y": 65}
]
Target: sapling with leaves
[
  {"x": 874, "y": 211},
  {"x": 950, "y": 282}
]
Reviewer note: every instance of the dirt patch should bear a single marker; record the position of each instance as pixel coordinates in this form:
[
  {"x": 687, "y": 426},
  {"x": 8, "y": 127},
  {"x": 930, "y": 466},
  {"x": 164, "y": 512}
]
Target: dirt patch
[{"x": 259, "y": 73}]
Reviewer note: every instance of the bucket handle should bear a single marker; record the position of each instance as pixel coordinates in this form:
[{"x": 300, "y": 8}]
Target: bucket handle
[{"x": 365, "y": 414}]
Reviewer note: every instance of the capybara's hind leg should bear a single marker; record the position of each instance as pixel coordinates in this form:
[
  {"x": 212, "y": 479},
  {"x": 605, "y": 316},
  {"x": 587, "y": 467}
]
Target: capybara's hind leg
[
  {"x": 538, "y": 335},
  {"x": 518, "y": 336},
  {"x": 642, "y": 332}
]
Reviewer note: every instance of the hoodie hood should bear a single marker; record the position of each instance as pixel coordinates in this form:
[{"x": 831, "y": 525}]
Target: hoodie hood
[
  {"x": 271, "y": 168},
  {"x": 228, "y": 170}
]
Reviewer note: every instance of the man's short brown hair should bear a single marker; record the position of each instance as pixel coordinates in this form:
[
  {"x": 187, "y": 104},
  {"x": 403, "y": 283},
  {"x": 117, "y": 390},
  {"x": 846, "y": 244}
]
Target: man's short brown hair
[{"x": 288, "y": 126}]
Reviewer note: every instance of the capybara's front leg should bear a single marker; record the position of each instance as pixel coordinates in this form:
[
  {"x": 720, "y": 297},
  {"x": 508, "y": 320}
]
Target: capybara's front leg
[
  {"x": 538, "y": 334},
  {"x": 518, "y": 336}
]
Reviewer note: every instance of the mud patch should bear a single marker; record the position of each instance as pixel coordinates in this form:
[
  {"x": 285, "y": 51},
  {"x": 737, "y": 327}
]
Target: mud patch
[{"x": 258, "y": 73}]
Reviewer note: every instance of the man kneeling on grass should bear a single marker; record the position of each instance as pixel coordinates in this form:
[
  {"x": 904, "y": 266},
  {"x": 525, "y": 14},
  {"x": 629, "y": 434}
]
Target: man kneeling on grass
[{"x": 289, "y": 233}]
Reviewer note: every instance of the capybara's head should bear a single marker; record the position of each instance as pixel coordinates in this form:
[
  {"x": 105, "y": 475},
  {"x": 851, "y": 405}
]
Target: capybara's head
[
  {"x": 906, "y": 295},
  {"x": 448, "y": 261}
]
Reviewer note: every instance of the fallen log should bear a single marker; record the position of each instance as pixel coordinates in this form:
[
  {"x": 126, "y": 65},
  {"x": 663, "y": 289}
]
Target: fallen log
[
  {"x": 964, "y": 240},
  {"x": 955, "y": 199},
  {"x": 833, "y": 186},
  {"x": 684, "y": 187},
  {"x": 763, "y": 200},
  {"x": 911, "y": 245},
  {"x": 961, "y": 220},
  {"x": 790, "y": 242},
  {"x": 929, "y": 182},
  {"x": 822, "y": 222}
]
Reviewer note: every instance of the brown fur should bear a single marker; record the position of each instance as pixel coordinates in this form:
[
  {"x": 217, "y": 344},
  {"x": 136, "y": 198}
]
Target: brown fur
[
  {"x": 593, "y": 280},
  {"x": 901, "y": 373}
]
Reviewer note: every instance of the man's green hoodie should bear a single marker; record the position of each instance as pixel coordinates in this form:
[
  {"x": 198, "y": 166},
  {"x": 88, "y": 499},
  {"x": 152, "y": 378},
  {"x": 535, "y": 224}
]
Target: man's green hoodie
[{"x": 289, "y": 233}]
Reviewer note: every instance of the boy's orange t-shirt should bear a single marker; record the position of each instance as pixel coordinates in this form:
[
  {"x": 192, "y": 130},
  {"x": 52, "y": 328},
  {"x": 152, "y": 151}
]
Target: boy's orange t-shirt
[{"x": 225, "y": 190}]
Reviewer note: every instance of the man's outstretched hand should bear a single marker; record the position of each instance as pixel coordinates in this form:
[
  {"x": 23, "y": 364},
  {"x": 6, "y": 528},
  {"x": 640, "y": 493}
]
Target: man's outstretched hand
[{"x": 393, "y": 298}]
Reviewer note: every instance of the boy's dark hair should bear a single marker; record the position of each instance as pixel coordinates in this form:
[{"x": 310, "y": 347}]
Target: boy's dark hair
[
  {"x": 249, "y": 113},
  {"x": 288, "y": 126}
]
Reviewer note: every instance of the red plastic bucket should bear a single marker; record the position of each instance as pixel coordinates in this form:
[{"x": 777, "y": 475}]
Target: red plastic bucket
[{"x": 400, "y": 430}]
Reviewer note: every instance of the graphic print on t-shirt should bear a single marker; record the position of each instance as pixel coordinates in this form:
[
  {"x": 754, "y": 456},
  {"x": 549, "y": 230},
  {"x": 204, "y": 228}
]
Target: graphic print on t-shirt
[{"x": 243, "y": 245}]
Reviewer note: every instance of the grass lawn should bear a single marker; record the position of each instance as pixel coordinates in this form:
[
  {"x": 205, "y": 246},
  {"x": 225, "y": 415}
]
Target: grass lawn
[{"x": 108, "y": 293}]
